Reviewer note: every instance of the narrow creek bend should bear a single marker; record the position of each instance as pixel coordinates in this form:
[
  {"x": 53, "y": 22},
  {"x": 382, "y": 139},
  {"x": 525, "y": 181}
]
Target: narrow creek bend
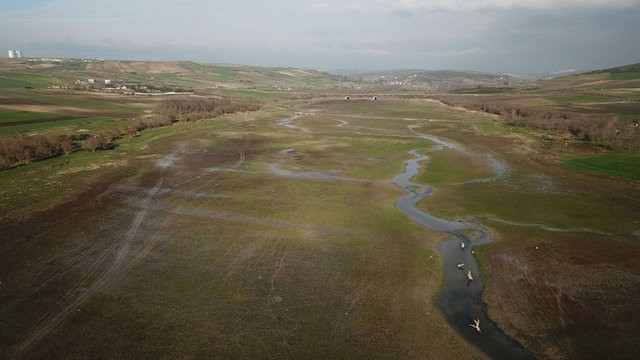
[{"x": 461, "y": 299}]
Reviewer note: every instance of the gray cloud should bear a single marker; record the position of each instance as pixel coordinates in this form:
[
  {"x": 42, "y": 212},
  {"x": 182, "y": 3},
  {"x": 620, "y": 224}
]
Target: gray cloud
[
  {"x": 484, "y": 35},
  {"x": 407, "y": 7}
]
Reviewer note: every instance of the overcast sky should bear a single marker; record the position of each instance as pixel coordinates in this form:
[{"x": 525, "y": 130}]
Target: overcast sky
[{"x": 516, "y": 36}]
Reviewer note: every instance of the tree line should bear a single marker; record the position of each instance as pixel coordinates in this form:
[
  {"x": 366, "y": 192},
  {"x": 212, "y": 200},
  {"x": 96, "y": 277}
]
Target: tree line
[
  {"x": 24, "y": 149},
  {"x": 189, "y": 109},
  {"x": 608, "y": 131}
]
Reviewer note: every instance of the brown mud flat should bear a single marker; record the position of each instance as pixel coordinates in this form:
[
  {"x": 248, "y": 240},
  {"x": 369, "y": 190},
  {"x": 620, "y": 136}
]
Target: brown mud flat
[
  {"x": 177, "y": 262},
  {"x": 566, "y": 295}
]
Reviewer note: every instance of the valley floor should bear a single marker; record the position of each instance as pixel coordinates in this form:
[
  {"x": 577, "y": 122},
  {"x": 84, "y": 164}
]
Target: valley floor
[{"x": 262, "y": 235}]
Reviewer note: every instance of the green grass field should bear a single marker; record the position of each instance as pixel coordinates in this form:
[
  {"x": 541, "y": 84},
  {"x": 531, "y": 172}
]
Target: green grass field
[
  {"x": 579, "y": 99},
  {"x": 17, "y": 80},
  {"x": 87, "y": 124},
  {"x": 629, "y": 75},
  {"x": 80, "y": 101},
  {"x": 16, "y": 115},
  {"x": 624, "y": 166},
  {"x": 452, "y": 167}
]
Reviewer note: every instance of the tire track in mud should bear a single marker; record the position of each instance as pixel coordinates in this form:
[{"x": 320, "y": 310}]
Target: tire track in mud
[
  {"x": 545, "y": 227},
  {"x": 288, "y": 123},
  {"x": 71, "y": 300},
  {"x": 275, "y": 299}
]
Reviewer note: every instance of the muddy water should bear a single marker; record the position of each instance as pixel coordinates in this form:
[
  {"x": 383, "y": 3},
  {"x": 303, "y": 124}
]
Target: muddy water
[
  {"x": 461, "y": 299},
  {"x": 288, "y": 122}
]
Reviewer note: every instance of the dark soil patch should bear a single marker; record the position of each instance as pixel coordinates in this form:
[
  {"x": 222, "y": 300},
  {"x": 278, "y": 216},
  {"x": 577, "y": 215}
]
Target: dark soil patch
[
  {"x": 37, "y": 121},
  {"x": 567, "y": 296}
]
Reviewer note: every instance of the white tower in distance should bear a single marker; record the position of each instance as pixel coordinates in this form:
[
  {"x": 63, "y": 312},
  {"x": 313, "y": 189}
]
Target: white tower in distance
[
  {"x": 12, "y": 53},
  {"x": 18, "y": 54}
]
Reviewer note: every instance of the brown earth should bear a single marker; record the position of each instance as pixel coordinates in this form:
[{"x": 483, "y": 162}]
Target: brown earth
[
  {"x": 566, "y": 295},
  {"x": 146, "y": 67},
  {"x": 562, "y": 295},
  {"x": 574, "y": 296},
  {"x": 177, "y": 261}
]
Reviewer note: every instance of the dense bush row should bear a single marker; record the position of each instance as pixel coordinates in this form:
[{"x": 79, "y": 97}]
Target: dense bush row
[
  {"x": 25, "y": 149},
  {"x": 189, "y": 109},
  {"x": 609, "y": 131}
]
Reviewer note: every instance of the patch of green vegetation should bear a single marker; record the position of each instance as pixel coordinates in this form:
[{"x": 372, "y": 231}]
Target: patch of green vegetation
[
  {"x": 451, "y": 166},
  {"x": 254, "y": 94},
  {"x": 529, "y": 201},
  {"x": 496, "y": 127},
  {"x": 624, "y": 166},
  {"x": 42, "y": 181},
  {"x": 19, "y": 80},
  {"x": 625, "y": 68},
  {"x": 66, "y": 66},
  {"x": 627, "y": 75},
  {"x": 630, "y": 95},
  {"x": 195, "y": 66},
  {"x": 73, "y": 100},
  {"x": 17, "y": 115},
  {"x": 579, "y": 99},
  {"x": 220, "y": 70},
  {"x": 395, "y": 110},
  {"x": 630, "y": 117},
  {"x": 49, "y": 180},
  {"x": 483, "y": 90},
  {"x": 624, "y": 85},
  {"x": 93, "y": 123}
]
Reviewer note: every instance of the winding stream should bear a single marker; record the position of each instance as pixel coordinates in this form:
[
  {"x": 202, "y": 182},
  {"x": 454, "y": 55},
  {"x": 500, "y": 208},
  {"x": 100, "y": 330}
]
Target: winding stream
[
  {"x": 288, "y": 122},
  {"x": 461, "y": 299}
]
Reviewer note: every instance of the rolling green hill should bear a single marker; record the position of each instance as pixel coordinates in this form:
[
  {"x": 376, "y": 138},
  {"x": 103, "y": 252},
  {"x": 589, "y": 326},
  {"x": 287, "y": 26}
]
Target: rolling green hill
[{"x": 177, "y": 74}]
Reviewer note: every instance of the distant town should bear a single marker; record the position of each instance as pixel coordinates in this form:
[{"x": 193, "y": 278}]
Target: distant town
[{"x": 123, "y": 86}]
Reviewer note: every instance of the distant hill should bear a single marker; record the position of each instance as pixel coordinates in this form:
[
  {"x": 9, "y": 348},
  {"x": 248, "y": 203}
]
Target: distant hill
[
  {"x": 633, "y": 68},
  {"x": 622, "y": 82},
  {"x": 625, "y": 72},
  {"x": 169, "y": 74},
  {"x": 437, "y": 79}
]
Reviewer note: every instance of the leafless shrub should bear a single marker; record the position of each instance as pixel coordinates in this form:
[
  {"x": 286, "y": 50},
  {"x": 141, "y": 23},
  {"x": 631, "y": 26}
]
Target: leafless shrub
[
  {"x": 95, "y": 142},
  {"x": 189, "y": 109},
  {"x": 25, "y": 149},
  {"x": 605, "y": 131}
]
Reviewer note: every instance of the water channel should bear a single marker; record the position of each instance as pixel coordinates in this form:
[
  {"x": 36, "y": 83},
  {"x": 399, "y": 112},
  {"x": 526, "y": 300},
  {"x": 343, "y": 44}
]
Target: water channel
[{"x": 461, "y": 299}]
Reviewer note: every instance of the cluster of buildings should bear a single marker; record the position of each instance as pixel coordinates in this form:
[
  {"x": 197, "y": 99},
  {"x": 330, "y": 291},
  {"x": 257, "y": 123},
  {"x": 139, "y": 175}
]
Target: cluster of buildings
[{"x": 15, "y": 54}]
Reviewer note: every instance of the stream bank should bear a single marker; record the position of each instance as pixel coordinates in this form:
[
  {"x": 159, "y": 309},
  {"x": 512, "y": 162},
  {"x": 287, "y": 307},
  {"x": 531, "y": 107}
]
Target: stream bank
[{"x": 460, "y": 299}]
